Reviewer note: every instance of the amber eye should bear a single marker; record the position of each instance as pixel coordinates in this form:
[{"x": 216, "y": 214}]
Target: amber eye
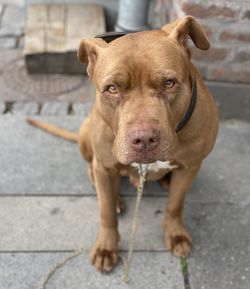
[
  {"x": 169, "y": 83},
  {"x": 112, "y": 89}
]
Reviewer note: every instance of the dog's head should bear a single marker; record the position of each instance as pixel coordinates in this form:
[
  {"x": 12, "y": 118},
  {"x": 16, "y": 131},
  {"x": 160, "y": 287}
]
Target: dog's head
[{"x": 144, "y": 84}]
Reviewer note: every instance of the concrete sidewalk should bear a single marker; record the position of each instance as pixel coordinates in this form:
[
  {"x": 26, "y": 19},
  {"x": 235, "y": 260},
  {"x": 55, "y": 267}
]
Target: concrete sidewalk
[{"x": 48, "y": 208}]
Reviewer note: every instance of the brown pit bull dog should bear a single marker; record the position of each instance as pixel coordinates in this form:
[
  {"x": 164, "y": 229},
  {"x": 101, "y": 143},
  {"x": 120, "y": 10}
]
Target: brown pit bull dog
[{"x": 152, "y": 107}]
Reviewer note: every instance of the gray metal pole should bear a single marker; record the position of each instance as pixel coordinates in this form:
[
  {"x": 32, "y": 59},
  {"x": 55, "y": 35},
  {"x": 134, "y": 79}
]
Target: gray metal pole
[{"x": 132, "y": 15}]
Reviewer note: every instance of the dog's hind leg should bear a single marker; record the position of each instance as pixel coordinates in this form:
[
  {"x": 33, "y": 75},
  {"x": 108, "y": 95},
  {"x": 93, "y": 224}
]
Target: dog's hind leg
[
  {"x": 121, "y": 206},
  {"x": 165, "y": 182},
  {"x": 84, "y": 140}
]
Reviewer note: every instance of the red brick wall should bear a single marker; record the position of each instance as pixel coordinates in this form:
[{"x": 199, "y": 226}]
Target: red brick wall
[{"x": 227, "y": 23}]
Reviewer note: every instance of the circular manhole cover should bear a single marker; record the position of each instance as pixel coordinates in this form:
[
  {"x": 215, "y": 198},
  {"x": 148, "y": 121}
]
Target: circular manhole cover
[{"x": 17, "y": 78}]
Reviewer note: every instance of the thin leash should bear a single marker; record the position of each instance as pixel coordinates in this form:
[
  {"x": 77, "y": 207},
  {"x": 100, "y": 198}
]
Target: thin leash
[
  {"x": 143, "y": 169},
  {"x": 58, "y": 265}
]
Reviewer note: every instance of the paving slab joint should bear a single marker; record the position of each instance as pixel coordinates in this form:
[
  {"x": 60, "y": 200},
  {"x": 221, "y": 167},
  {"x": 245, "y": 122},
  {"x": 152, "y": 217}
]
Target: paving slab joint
[
  {"x": 40, "y": 105},
  {"x": 185, "y": 272},
  {"x": 8, "y": 107},
  {"x": 70, "y": 109},
  {"x": 15, "y": 107},
  {"x": 19, "y": 40}
]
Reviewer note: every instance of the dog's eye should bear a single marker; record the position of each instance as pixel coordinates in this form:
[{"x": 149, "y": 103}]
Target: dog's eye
[
  {"x": 112, "y": 89},
  {"x": 169, "y": 83}
]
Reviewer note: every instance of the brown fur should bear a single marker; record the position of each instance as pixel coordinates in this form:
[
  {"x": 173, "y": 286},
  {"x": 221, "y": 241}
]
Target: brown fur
[
  {"x": 68, "y": 135},
  {"x": 138, "y": 64}
]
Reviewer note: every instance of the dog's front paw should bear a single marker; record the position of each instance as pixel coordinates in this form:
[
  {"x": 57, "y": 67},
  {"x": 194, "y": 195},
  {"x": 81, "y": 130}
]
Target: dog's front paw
[
  {"x": 104, "y": 260},
  {"x": 104, "y": 255},
  {"x": 178, "y": 240}
]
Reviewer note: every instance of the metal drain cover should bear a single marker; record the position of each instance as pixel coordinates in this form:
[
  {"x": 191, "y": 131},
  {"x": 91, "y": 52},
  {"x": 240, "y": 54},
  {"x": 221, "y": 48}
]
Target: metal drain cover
[
  {"x": 17, "y": 84},
  {"x": 16, "y": 77}
]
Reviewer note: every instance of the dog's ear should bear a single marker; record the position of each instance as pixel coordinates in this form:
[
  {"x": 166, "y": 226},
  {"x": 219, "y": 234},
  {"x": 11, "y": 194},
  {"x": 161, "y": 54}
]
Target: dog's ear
[
  {"x": 88, "y": 52},
  {"x": 184, "y": 27}
]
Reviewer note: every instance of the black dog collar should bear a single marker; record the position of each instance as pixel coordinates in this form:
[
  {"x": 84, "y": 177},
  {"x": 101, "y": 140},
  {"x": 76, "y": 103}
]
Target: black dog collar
[
  {"x": 110, "y": 36},
  {"x": 190, "y": 109}
]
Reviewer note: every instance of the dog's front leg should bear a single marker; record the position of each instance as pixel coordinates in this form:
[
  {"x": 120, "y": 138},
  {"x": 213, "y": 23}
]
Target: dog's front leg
[
  {"x": 177, "y": 238},
  {"x": 104, "y": 255}
]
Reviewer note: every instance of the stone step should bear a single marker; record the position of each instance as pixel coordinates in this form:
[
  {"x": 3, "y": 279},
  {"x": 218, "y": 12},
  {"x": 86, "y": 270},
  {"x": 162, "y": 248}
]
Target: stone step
[
  {"x": 148, "y": 270},
  {"x": 53, "y": 34}
]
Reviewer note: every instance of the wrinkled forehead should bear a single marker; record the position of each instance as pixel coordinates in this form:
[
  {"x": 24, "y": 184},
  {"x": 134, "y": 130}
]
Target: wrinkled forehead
[{"x": 150, "y": 52}]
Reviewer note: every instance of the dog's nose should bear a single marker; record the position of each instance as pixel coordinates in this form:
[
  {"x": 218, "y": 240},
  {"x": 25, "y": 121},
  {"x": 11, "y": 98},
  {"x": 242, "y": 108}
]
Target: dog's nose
[{"x": 144, "y": 139}]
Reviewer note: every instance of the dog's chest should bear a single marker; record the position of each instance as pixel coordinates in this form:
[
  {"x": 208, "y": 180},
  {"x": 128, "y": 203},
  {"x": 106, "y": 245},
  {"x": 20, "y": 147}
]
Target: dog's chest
[{"x": 156, "y": 167}]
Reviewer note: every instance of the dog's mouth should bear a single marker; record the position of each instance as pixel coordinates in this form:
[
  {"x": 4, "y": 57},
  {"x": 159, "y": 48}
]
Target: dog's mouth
[
  {"x": 147, "y": 159},
  {"x": 140, "y": 158}
]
